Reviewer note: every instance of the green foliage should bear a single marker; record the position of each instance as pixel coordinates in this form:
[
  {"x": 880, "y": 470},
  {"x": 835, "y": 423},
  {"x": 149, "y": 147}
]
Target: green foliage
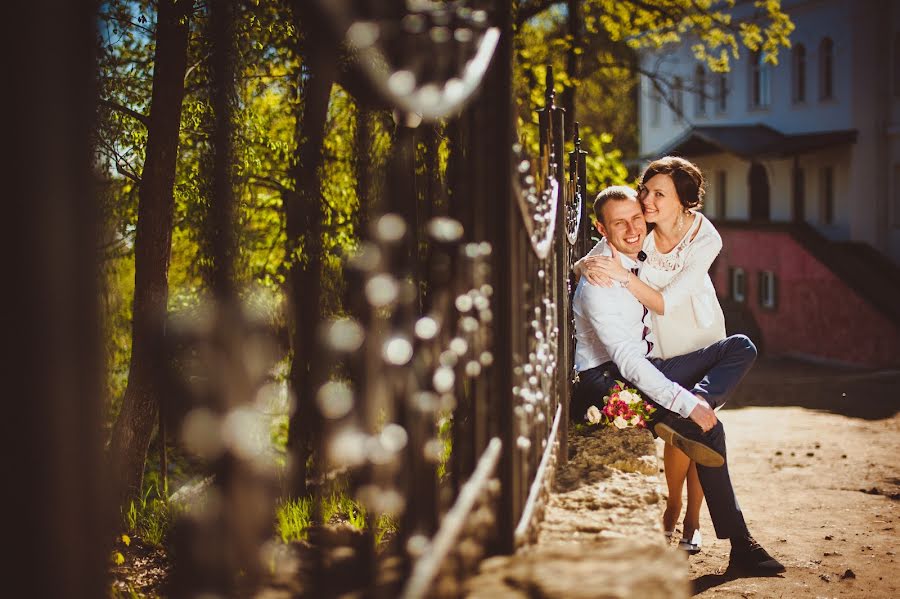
[
  {"x": 615, "y": 33},
  {"x": 150, "y": 517},
  {"x": 718, "y": 27},
  {"x": 267, "y": 93},
  {"x": 386, "y": 525},
  {"x": 445, "y": 436},
  {"x": 293, "y": 519}
]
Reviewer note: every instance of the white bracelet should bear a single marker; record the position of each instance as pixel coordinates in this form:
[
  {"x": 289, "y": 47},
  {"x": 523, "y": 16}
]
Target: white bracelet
[{"x": 627, "y": 280}]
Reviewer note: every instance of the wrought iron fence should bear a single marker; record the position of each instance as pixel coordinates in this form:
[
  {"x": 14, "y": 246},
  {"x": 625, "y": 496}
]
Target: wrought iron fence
[{"x": 459, "y": 314}]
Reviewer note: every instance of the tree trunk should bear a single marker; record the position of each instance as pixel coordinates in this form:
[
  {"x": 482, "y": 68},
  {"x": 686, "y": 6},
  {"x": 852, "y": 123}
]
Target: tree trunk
[
  {"x": 573, "y": 63},
  {"x": 362, "y": 166},
  {"x": 303, "y": 211},
  {"x": 152, "y": 247}
]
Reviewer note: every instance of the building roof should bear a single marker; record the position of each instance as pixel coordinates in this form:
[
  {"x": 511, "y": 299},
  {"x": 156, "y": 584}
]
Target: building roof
[{"x": 752, "y": 141}]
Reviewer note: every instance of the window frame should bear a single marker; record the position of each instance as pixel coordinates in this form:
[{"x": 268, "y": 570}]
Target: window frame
[
  {"x": 798, "y": 80},
  {"x": 768, "y": 290},
  {"x": 737, "y": 284},
  {"x": 826, "y": 69},
  {"x": 656, "y": 102},
  {"x": 896, "y": 65},
  {"x": 722, "y": 93},
  {"x": 677, "y": 100},
  {"x": 895, "y": 198},
  {"x": 760, "y": 82},
  {"x": 826, "y": 195},
  {"x": 798, "y": 192},
  {"x": 700, "y": 91},
  {"x": 721, "y": 194}
]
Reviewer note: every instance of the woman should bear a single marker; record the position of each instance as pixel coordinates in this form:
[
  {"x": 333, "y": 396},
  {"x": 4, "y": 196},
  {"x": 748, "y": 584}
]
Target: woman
[{"x": 674, "y": 285}]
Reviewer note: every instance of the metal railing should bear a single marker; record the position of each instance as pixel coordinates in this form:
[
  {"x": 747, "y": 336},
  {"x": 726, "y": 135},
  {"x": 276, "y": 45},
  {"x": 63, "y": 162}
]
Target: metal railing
[{"x": 480, "y": 332}]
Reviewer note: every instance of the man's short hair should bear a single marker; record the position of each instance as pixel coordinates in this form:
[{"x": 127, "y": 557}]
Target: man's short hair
[{"x": 613, "y": 192}]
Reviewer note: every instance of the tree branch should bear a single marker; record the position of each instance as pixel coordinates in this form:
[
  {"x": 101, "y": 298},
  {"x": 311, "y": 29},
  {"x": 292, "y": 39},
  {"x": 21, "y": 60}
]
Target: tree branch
[
  {"x": 141, "y": 118},
  {"x": 528, "y": 10},
  {"x": 120, "y": 161},
  {"x": 268, "y": 183}
]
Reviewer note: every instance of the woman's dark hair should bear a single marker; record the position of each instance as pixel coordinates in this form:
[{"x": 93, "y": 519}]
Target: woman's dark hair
[{"x": 688, "y": 179}]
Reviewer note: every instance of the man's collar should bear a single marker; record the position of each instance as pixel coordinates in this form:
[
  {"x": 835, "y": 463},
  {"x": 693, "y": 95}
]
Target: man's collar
[{"x": 628, "y": 262}]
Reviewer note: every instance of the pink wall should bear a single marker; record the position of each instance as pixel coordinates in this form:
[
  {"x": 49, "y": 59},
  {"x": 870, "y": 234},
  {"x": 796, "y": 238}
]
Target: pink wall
[{"x": 816, "y": 314}]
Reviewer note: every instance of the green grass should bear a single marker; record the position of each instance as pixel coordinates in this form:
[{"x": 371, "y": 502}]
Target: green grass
[
  {"x": 445, "y": 434},
  {"x": 293, "y": 517},
  {"x": 150, "y": 517}
]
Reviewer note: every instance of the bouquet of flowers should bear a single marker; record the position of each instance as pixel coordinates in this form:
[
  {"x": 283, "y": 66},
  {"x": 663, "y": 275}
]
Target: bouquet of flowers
[{"x": 622, "y": 408}]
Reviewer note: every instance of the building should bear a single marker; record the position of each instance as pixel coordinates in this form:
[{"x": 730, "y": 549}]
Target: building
[{"x": 802, "y": 162}]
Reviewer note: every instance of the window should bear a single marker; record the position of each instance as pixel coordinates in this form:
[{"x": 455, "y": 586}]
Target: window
[
  {"x": 826, "y": 69},
  {"x": 799, "y": 199},
  {"x": 700, "y": 91},
  {"x": 655, "y": 106},
  {"x": 722, "y": 92},
  {"x": 896, "y": 210},
  {"x": 759, "y": 81},
  {"x": 721, "y": 194},
  {"x": 798, "y": 59},
  {"x": 897, "y": 65},
  {"x": 678, "y": 99},
  {"x": 768, "y": 290},
  {"x": 738, "y": 284},
  {"x": 827, "y": 195}
]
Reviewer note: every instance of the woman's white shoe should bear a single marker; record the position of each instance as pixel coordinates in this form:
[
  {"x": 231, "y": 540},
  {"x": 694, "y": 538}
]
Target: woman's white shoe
[{"x": 692, "y": 545}]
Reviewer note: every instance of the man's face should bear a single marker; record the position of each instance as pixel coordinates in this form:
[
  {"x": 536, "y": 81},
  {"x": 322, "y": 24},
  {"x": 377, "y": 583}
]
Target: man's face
[{"x": 623, "y": 225}]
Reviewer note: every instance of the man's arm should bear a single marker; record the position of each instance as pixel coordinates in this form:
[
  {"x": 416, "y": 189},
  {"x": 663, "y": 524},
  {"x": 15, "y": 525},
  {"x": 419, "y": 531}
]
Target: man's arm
[{"x": 601, "y": 308}]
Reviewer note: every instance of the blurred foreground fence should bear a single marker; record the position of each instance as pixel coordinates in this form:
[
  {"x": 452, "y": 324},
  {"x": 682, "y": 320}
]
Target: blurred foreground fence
[{"x": 460, "y": 311}]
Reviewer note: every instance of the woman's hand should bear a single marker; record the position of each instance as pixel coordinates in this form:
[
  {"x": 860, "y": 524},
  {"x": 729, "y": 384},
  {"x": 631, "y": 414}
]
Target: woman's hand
[
  {"x": 605, "y": 270},
  {"x": 594, "y": 270}
]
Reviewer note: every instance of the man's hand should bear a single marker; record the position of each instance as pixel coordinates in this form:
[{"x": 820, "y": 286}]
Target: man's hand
[{"x": 704, "y": 415}]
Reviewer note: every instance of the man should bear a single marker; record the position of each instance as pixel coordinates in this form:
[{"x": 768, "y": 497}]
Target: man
[{"x": 613, "y": 341}]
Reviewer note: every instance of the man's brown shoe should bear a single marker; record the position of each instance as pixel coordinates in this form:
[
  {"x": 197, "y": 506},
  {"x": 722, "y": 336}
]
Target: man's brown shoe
[{"x": 697, "y": 451}]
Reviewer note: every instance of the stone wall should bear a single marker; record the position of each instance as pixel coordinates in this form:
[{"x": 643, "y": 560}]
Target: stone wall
[{"x": 601, "y": 535}]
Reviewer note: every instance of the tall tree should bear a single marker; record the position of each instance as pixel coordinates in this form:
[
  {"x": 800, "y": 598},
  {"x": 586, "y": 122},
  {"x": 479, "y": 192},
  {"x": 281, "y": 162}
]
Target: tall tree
[
  {"x": 152, "y": 246},
  {"x": 304, "y": 211}
]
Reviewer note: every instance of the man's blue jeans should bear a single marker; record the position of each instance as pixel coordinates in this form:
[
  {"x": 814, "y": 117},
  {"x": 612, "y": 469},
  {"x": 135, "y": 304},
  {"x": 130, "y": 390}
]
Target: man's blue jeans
[{"x": 711, "y": 373}]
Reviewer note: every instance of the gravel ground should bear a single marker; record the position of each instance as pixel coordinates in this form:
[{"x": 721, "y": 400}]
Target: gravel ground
[{"x": 813, "y": 453}]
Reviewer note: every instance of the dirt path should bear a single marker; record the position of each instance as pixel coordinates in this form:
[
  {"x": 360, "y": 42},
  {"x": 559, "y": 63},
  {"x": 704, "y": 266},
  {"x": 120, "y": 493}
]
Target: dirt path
[{"x": 820, "y": 491}]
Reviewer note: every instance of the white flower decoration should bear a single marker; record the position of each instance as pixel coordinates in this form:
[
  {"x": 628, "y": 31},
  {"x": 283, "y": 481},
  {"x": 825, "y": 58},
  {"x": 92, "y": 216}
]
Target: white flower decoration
[
  {"x": 629, "y": 397},
  {"x": 620, "y": 422},
  {"x": 593, "y": 415}
]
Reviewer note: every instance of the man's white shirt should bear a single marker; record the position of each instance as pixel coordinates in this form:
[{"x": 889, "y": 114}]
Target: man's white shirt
[{"x": 609, "y": 326}]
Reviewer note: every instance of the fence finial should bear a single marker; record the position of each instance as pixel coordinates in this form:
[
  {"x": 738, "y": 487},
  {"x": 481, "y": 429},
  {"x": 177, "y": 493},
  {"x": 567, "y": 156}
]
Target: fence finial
[{"x": 549, "y": 93}]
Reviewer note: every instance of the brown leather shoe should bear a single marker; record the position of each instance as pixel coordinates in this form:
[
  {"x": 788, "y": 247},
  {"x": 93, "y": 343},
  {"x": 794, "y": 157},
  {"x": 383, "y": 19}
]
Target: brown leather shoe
[{"x": 697, "y": 451}]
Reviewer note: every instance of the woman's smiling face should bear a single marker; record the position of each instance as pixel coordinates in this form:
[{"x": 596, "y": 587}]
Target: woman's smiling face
[{"x": 659, "y": 199}]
